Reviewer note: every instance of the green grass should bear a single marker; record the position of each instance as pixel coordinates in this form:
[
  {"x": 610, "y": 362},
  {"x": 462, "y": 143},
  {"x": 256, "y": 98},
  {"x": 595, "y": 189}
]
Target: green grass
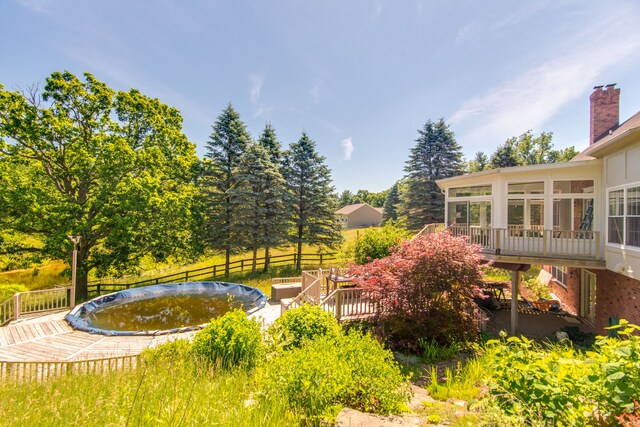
[
  {"x": 50, "y": 273},
  {"x": 163, "y": 394}
]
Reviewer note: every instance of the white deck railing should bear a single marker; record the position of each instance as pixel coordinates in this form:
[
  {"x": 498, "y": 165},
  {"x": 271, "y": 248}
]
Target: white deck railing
[
  {"x": 34, "y": 302},
  {"x": 533, "y": 241}
]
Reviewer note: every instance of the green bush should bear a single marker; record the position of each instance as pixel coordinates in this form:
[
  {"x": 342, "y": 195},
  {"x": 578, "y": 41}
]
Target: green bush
[
  {"x": 230, "y": 340},
  {"x": 374, "y": 243},
  {"x": 7, "y": 291},
  {"x": 566, "y": 386},
  {"x": 172, "y": 351},
  {"x": 304, "y": 323},
  {"x": 326, "y": 374}
]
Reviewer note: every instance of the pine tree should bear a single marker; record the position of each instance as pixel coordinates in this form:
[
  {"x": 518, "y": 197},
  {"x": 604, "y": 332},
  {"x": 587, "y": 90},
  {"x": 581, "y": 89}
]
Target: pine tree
[
  {"x": 260, "y": 218},
  {"x": 436, "y": 155},
  {"x": 390, "y": 212},
  {"x": 269, "y": 140},
  {"x": 225, "y": 146},
  {"x": 345, "y": 198},
  {"x": 312, "y": 200}
]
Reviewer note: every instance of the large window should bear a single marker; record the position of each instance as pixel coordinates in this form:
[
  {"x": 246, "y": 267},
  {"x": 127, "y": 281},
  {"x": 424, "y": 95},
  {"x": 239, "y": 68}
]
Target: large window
[
  {"x": 470, "y": 213},
  {"x": 624, "y": 216}
]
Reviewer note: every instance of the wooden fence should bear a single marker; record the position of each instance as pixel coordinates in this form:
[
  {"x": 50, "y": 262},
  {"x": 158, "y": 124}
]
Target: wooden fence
[
  {"x": 45, "y": 370},
  {"x": 213, "y": 272},
  {"x": 34, "y": 302}
]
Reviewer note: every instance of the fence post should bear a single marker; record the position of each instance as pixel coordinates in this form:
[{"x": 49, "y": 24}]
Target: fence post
[
  {"x": 215, "y": 271},
  {"x": 320, "y": 259},
  {"x": 338, "y": 305},
  {"x": 295, "y": 259},
  {"x": 186, "y": 276},
  {"x": 99, "y": 287},
  {"x": 242, "y": 264},
  {"x": 16, "y": 306}
]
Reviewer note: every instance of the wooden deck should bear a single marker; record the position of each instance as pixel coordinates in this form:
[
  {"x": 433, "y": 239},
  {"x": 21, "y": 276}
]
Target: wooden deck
[{"x": 48, "y": 337}]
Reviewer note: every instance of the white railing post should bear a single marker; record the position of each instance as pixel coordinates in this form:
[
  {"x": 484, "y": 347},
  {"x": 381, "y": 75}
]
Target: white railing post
[{"x": 16, "y": 306}]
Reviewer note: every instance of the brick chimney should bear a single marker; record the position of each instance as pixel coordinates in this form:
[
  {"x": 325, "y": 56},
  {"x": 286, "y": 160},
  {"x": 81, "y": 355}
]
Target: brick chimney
[{"x": 605, "y": 111}]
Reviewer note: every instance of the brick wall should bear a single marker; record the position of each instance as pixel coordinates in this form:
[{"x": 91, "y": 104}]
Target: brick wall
[
  {"x": 569, "y": 296},
  {"x": 616, "y": 296}
]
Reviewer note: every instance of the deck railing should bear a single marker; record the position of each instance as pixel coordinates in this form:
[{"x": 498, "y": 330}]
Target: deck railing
[
  {"x": 34, "y": 302},
  {"x": 350, "y": 303},
  {"x": 533, "y": 241},
  {"x": 44, "y": 370}
]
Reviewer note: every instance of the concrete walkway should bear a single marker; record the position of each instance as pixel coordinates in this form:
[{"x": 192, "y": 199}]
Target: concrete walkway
[{"x": 48, "y": 337}]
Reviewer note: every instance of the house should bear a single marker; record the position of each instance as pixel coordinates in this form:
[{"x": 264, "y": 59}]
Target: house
[
  {"x": 360, "y": 215},
  {"x": 580, "y": 219}
]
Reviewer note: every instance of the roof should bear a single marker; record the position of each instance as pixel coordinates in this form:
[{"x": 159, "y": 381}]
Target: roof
[
  {"x": 512, "y": 169},
  {"x": 381, "y": 210},
  {"x": 349, "y": 209},
  {"x": 629, "y": 127}
]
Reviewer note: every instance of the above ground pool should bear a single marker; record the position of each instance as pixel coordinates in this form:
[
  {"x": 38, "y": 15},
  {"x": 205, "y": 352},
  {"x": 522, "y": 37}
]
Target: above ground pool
[{"x": 162, "y": 309}]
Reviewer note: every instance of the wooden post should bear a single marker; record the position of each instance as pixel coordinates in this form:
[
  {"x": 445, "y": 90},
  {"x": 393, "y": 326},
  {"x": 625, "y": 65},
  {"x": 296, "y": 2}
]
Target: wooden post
[
  {"x": 515, "y": 282},
  {"x": 242, "y": 264},
  {"x": 215, "y": 271},
  {"x": 16, "y": 306},
  {"x": 320, "y": 259},
  {"x": 338, "y": 310},
  {"x": 186, "y": 276}
]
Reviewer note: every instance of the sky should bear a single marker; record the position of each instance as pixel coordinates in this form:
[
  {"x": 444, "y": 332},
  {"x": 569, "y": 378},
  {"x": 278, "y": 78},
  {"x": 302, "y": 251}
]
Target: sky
[{"x": 360, "y": 77}]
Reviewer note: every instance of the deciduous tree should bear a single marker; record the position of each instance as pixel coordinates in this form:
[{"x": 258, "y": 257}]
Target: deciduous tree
[{"x": 112, "y": 167}]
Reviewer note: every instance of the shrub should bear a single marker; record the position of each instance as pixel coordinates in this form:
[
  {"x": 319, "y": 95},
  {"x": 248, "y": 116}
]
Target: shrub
[
  {"x": 566, "y": 386},
  {"x": 172, "y": 351},
  {"x": 230, "y": 340},
  {"x": 7, "y": 291},
  {"x": 376, "y": 243},
  {"x": 321, "y": 377},
  {"x": 304, "y": 323},
  {"x": 426, "y": 290}
]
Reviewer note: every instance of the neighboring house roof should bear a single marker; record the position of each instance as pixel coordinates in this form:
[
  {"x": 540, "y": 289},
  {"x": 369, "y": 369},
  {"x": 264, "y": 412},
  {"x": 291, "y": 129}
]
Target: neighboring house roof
[
  {"x": 352, "y": 208},
  {"x": 601, "y": 146},
  {"x": 381, "y": 210}
]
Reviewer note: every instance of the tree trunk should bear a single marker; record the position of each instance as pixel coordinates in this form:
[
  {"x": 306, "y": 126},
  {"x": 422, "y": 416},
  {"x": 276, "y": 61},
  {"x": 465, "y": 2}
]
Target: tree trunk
[
  {"x": 82, "y": 275},
  {"x": 227, "y": 260},
  {"x": 267, "y": 261},
  {"x": 255, "y": 257},
  {"x": 299, "y": 260}
]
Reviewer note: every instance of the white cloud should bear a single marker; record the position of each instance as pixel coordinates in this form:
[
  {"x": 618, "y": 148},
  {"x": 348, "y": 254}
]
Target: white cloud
[
  {"x": 347, "y": 148},
  {"x": 529, "y": 99},
  {"x": 377, "y": 11},
  {"x": 256, "y": 87},
  {"x": 40, "y": 6}
]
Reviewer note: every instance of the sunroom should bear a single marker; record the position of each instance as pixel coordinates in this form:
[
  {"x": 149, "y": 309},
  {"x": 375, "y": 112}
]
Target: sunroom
[{"x": 532, "y": 212}]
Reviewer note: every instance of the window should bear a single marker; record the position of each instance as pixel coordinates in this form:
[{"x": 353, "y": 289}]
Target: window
[
  {"x": 560, "y": 275},
  {"x": 479, "y": 190},
  {"x": 633, "y": 217},
  {"x": 573, "y": 187},
  {"x": 527, "y": 188}
]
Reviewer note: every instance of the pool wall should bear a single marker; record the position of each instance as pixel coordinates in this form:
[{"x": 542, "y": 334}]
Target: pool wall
[{"x": 77, "y": 317}]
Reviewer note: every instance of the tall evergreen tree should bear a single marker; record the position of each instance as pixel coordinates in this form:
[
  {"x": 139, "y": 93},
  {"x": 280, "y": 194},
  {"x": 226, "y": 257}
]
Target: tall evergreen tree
[
  {"x": 436, "y": 155},
  {"x": 225, "y": 146},
  {"x": 345, "y": 199},
  {"x": 312, "y": 200},
  {"x": 269, "y": 140},
  {"x": 390, "y": 212},
  {"x": 260, "y": 218}
]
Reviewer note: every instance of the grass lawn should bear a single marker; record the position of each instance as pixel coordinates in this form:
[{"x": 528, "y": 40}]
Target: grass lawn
[{"x": 51, "y": 273}]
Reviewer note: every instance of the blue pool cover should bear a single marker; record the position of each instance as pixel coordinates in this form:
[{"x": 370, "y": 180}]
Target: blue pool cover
[{"x": 79, "y": 317}]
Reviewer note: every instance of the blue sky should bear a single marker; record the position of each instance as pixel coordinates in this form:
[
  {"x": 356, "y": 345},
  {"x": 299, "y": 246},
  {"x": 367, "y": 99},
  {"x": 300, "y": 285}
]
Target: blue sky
[{"x": 361, "y": 77}]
